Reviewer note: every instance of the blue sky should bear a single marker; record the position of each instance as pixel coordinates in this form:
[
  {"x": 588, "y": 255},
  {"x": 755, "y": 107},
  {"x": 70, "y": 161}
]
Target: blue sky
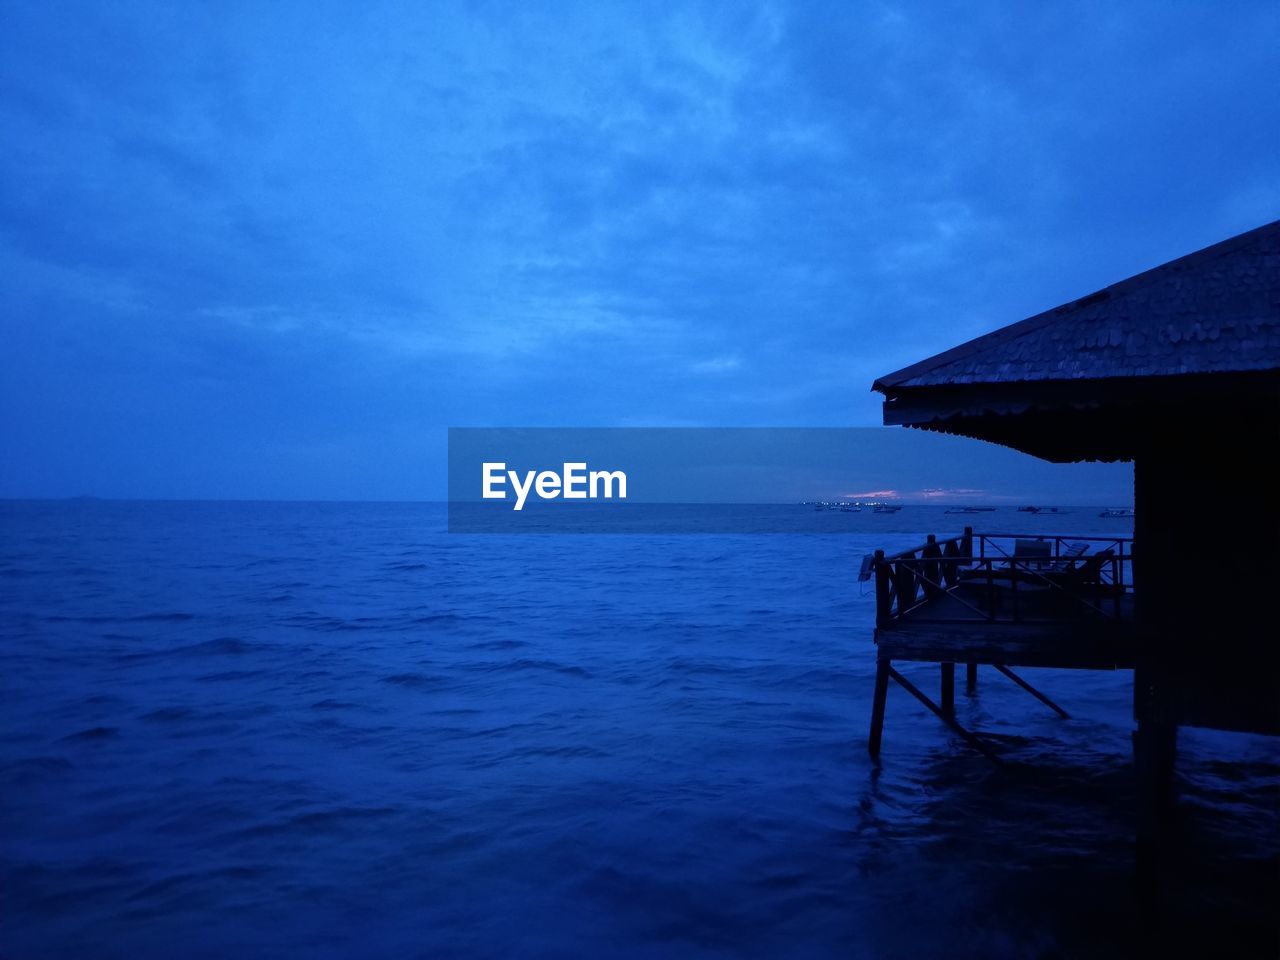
[{"x": 273, "y": 250}]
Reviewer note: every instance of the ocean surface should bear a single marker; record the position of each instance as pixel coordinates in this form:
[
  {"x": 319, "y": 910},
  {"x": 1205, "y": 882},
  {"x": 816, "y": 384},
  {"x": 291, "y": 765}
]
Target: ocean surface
[{"x": 335, "y": 730}]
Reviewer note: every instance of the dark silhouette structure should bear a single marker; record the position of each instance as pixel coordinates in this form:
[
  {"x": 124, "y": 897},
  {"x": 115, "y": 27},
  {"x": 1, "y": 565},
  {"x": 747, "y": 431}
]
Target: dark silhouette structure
[{"x": 1177, "y": 370}]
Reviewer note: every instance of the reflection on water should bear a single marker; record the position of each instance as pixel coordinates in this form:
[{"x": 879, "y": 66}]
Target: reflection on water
[{"x": 334, "y": 730}]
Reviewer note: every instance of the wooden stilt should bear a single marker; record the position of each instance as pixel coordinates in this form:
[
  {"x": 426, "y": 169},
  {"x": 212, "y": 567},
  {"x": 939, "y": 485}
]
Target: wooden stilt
[
  {"x": 1032, "y": 690},
  {"x": 969, "y": 738},
  {"x": 949, "y": 689},
  {"x": 970, "y": 677},
  {"x": 1155, "y": 744},
  {"x": 877, "y": 707}
]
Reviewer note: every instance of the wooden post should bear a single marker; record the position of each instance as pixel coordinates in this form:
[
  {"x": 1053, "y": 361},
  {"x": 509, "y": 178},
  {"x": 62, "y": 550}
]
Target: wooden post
[
  {"x": 1155, "y": 748},
  {"x": 877, "y": 708},
  {"x": 905, "y": 583},
  {"x": 966, "y": 546},
  {"x": 950, "y": 565},
  {"x": 882, "y": 588},
  {"x": 931, "y": 567},
  {"x": 949, "y": 689},
  {"x": 970, "y": 677}
]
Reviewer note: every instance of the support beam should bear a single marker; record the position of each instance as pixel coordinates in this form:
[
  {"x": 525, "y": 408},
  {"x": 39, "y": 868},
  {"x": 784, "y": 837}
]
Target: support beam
[
  {"x": 1155, "y": 748},
  {"x": 969, "y": 738},
  {"x": 1032, "y": 690},
  {"x": 949, "y": 689},
  {"x": 877, "y": 707},
  {"x": 970, "y": 677}
]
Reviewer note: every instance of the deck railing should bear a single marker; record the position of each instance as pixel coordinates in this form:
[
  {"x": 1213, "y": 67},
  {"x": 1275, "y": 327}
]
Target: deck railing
[{"x": 984, "y": 576}]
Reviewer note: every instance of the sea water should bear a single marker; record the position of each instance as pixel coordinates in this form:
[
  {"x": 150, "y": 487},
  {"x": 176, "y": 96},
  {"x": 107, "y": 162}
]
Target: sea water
[{"x": 336, "y": 730}]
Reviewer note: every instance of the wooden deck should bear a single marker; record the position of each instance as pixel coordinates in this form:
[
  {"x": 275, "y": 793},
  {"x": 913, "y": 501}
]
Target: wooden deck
[
  {"x": 1003, "y": 601},
  {"x": 946, "y": 629}
]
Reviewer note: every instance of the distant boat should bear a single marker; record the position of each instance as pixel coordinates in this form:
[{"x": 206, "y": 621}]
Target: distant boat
[
  {"x": 1042, "y": 510},
  {"x": 886, "y": 508},
  {"x": 970, "y": 510},
  {"x": 1116, "y": 513},
  {"x": 849, "y": 508}
]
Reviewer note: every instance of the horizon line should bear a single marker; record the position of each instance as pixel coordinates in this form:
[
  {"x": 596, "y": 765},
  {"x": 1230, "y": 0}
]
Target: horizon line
[{"x": 84, "y": 498}]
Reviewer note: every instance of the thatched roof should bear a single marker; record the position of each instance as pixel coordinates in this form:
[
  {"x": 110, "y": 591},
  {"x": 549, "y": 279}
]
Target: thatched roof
[{"x": 1213, "y": 311}]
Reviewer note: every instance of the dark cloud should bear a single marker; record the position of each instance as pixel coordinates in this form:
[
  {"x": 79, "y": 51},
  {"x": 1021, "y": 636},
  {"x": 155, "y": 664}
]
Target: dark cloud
[{"x": 273, "y": 249}]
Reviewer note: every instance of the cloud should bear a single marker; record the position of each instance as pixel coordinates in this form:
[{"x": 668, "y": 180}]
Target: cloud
[
  {"x": 392, "y": 216},
  {"x": 952, "y": 493},
  {"x": 714, "y": 365}
]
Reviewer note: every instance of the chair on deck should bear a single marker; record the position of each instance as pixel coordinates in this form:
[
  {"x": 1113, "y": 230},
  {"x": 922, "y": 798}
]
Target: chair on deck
[
  {"x": 1033, "y": 551},
  {"x": 1030, "y": 560},
  {"x": 1033, "y": 564},
  {"x": 1088, "y": 576},
  {"x": 1069, "y": 555}
]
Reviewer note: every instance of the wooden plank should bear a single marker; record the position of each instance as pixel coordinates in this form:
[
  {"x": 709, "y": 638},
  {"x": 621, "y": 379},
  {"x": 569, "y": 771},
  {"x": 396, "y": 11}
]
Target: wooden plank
[
  {"x": 1105, "y": 651},
  {"x": 1010, "y": 656},
  {"x": 1032, "y": 690}
]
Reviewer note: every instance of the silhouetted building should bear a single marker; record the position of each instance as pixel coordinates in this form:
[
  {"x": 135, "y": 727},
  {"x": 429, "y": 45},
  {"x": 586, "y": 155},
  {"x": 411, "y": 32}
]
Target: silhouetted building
[{"x": 1177, "y": 370}]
